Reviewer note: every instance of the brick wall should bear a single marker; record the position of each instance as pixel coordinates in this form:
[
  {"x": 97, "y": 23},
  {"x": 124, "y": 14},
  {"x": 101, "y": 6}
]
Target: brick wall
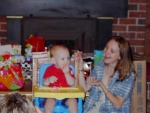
[
  {"x": 133, "y": 27},
  {"x": 147, "y": 37},
  {"x": 3, "y": 30}
]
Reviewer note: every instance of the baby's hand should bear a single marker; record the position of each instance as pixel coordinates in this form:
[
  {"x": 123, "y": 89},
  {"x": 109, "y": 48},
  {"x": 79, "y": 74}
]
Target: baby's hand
[
  {"x": 79, "y": 59},
  {"x": 52, "y": 79},
  {"x": 66, "y": 69}
]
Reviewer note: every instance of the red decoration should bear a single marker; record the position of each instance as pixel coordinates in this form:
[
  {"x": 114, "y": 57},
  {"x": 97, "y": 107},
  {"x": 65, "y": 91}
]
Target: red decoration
[{"x": 37, "y": 42}]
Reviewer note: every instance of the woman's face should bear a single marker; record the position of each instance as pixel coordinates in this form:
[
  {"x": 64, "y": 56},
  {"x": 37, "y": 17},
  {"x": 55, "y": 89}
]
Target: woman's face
[{"x": 111, "y": 53}]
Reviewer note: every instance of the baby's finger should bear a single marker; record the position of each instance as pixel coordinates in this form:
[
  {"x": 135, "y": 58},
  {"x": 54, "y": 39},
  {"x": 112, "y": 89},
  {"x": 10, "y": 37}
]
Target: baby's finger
[{"x": 55, "y": 79}]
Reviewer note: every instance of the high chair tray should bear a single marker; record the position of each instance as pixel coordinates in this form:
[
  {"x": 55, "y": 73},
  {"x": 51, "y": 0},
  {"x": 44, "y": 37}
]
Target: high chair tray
[{"x": 59, "y": 92}]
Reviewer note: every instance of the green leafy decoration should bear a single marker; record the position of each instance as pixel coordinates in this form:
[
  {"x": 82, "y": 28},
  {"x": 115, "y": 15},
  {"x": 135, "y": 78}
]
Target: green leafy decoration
[
  {"x": 6, "y": 68},
  {"x": 1, "y": 58},
  {"x": 14, "y": 86}
]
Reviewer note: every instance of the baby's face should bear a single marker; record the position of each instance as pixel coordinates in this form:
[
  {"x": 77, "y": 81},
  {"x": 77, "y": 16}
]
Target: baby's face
[{"x": 62, "y": 58}]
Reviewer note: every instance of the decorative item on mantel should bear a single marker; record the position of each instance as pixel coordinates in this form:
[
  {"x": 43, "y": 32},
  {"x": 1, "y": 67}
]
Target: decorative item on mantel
[
  {"x": 88, "y": 63},
  {"x": 90, "y": 60},
  {"x": 11, "y": 74},
  {"x": 33, "y": 44},
  {"x": 12, "y": 49},
  {"x": 37, "y": 42}
]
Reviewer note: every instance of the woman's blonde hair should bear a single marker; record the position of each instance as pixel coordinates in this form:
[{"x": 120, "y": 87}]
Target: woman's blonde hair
[{"x": 16, "y": 103}]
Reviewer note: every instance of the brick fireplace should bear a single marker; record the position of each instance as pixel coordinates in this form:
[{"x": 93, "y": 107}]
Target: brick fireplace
[
  {"x": 78, "y": 22},
  {"x": 131, "y": 27}
]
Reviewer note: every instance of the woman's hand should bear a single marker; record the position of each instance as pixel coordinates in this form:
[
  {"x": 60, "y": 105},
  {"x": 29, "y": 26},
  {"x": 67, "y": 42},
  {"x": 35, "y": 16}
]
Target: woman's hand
[{"x": 92, "y": 81}]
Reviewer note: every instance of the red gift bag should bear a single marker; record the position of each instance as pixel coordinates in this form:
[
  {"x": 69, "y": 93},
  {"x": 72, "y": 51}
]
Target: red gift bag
[{"x": 37, "y": 42}]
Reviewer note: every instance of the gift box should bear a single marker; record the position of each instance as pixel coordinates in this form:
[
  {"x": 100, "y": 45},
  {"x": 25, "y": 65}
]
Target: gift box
[
  {"x": 37, "y": 42},
  {"x": 138, "y": 103},
  {"x": 98, "y": 55},
  {"x": 16, "y": 49},
  {"x": 11, "y": 74},
  {"x": 10, "y": 49},
  {"x": 11, "y": 77}
]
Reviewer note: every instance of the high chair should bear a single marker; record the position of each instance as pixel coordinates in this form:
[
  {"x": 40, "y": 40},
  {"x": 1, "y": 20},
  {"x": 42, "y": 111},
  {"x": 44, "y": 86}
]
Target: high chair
[{"x": 59, "y": 93}]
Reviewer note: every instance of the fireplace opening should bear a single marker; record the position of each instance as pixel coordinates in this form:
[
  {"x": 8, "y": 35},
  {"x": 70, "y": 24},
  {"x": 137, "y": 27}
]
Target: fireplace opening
[
  {"x": 85, "y": 34},
  {"x": 70, "y": 44}
]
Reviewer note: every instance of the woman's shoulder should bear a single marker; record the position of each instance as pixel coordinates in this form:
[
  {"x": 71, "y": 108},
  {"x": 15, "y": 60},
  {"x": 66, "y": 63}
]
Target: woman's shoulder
[{"x": 131, "y": 76}]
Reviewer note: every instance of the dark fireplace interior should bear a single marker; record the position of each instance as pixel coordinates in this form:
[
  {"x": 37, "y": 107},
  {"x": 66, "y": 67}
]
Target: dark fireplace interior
[
  {"x": 74, "y": 33},
  {"x": 85, "y": 34},
  {"x": 72, "y": 23},
  {"x": 78, "y": 34}
]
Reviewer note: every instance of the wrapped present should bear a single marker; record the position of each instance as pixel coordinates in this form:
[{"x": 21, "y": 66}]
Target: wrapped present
[
  {"x": 37, "y": 42},
  {"x": 98, "y": 55},
  {"x": 11, "y": 49},
  {"x": 11, "y": 77},
  {"x": 6, "y": 49},
  {"x": 16, "y": 49},
  {"x": 17, "y": 59}
]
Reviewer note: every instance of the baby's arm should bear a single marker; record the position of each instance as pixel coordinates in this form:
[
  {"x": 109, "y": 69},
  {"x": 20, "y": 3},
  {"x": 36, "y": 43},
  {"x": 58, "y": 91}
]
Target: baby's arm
[
  {"x": 86, "y": 84},
  {"x": 49, "y": 80},
  {"x": 82, "y": 82}
]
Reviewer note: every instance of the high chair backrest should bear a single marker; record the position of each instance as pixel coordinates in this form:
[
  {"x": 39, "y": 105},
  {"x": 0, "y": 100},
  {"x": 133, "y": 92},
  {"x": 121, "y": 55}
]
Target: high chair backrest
[
  {"x": 43, "y": 68},
  {"x": 37, "y": 62},
  {"x": 40, "y": 95}
]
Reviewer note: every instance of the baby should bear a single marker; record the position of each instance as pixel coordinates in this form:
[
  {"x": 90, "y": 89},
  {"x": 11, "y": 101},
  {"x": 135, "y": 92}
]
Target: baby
[{"x": 59, "y": 75}]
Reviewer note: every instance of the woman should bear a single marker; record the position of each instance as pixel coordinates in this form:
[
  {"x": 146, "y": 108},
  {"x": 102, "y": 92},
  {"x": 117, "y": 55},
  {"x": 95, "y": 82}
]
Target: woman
[{"x": 112, "y": 80}]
